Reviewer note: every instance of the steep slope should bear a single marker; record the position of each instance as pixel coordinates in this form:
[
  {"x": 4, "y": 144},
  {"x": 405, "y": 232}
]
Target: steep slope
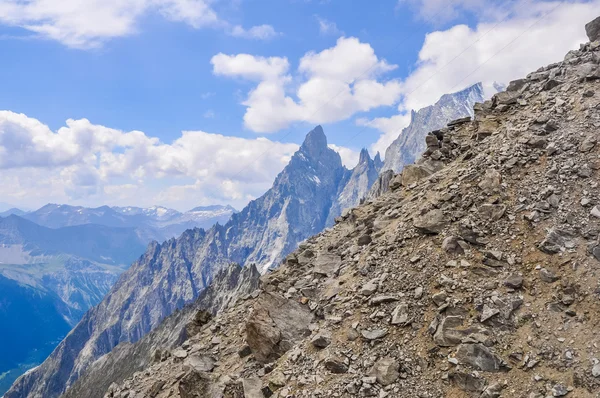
[
  {"x": 476, "y": 275},
  {"x": 171, "y": 274},
  {"x": 229, "y": 285},
  {"x": 410, "y": 144}
]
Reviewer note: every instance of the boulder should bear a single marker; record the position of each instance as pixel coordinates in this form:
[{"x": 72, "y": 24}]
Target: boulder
[
  {"x": 386, "y": 371},
  {"x": 592, "y": 29},
  {"x": 327, "y": 264},
  {"x": 194, "y": 385},
  {"x": 414, "y": 173},
  {"x": 274, "y": 325},
  {"x": 431, "y": 222}
]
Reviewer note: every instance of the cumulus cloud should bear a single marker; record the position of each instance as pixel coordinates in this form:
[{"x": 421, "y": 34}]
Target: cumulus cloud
[
  {"x": 90, "y": 23},
  {"x": 328, "y": 86},
  {"x": 533, "y": 34},
  {"x": 86, "y": 161}
]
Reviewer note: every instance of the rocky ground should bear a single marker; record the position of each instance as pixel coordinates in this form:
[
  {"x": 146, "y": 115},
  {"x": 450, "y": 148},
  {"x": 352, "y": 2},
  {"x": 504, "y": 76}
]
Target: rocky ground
[{"x": 476, "y": 275}]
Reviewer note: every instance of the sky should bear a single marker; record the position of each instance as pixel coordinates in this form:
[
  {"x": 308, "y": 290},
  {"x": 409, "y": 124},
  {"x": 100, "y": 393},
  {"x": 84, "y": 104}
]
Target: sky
[{"x": 184, "y": 103}]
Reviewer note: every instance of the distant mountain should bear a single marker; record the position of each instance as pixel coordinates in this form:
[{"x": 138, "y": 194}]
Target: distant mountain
[
  {"x": 302, "y": 202},
  {"x": 54, "y": 276},
  {"x": 154, "y": 223},
  {"x": 356, "y": 186},
  {"x": 11, "y": 211},
  {"x": 410, "y": 144}
]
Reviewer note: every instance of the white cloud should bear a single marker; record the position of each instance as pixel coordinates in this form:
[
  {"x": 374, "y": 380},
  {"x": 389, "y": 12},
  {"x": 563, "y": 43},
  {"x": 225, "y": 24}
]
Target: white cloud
[
  {"x": 249, "y": 67},
  {"x": 328, "y": 27},
  {"x": 390, "y": 128},
  {"x": 260, "y": 32},
  {"x": 349, "y": 156},
  {"x": 494, "y": 51},
  {"x": 329, "y": 86},
  {"x": 96, "y": 164},
  {"x": 90, "y": 23}
]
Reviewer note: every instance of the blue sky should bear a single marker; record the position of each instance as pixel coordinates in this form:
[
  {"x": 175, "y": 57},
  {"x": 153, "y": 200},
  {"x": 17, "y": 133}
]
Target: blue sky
[
  {"x": 159, "y": 80},
  {"x": 246, "y": 79}
]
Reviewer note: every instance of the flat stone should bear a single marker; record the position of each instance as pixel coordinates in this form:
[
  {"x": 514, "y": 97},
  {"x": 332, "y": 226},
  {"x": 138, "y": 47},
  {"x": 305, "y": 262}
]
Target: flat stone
[
  {"x": 400, "y": 315},
  {"x": 374, "y": 334},
  {"x": 327, "y": 264},
  {"x": 252, "y": 388},
  {"x": 200, "y": 363}
]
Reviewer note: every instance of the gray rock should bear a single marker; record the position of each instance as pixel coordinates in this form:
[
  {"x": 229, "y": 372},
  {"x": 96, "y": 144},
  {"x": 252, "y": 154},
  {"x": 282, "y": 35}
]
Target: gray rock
[
  {"x": 374, "y": 334},
  {"x": 431, "y": 223},
  {"x": 592, "y": 29},
  {"x": 336, "y": 365},
  {"x": 514, "y": 281},
  {"x": 468, "y": 382},
  {"x": 386, "y": 371},
  {"x": 479, "y": 357},
  {"x": 400, "y": 315},
  {"x": 327, "y": 264},
  {"x": 252, "y": 388},
  {"x": 200, "y": 363},
  {"x": 321, "y": 340},
  {"x": 451, "y": 244}
]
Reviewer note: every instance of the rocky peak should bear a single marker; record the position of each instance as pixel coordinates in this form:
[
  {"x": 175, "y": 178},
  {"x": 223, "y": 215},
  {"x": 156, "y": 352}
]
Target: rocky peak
[
  {"x": 315, "y": 143},
  {"x": 364, "y": 157},
  {"x": 377, "y": 161}
]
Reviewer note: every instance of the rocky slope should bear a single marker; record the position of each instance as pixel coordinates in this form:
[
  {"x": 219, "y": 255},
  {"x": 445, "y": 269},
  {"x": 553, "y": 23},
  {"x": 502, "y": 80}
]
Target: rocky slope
[
  {"x": 410, "y": 144},
  {"x": 231, "y": 284},
  {"x": 174, "y": 273},
  {"x": 476, "y": 275}
]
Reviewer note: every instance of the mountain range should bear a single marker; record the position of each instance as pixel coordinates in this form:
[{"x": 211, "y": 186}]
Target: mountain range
[
  {"x": 63, "y": 260},
  {"x": 306, "y": 197}
]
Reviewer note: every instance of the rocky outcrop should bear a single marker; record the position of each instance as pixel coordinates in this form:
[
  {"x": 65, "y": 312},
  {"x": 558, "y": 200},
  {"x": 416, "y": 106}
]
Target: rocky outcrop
[
  {"x": 410, "y": 143},
  {"x": 425, "y": 295}
]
